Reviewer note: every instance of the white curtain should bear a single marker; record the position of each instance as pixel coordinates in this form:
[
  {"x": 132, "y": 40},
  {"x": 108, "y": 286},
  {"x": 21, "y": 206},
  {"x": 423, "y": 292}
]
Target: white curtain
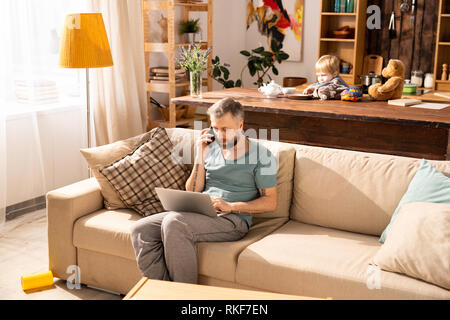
[
  {"x": 118, "y": 93},
  {"x": 41, "y": 106}
]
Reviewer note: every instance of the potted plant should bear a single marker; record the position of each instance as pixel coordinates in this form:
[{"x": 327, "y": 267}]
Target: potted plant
[
  {"x": 194, "y": 60},
  {"x": 189, "y": 28},
  {"x": 260, "y": 63}
]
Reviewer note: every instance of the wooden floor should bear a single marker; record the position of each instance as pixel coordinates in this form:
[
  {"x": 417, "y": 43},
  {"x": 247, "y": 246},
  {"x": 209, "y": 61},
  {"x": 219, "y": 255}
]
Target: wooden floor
[{"x": 23, "y": 251}]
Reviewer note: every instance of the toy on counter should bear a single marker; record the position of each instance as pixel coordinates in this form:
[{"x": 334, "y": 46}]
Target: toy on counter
[
  {"x": 330, "y": 91},
  {"x": 353, "y": 94},
  {"x": 393, "y": 88}
]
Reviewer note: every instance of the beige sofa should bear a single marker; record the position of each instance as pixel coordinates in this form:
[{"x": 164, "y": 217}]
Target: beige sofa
[{"x": 333, "y": 206}]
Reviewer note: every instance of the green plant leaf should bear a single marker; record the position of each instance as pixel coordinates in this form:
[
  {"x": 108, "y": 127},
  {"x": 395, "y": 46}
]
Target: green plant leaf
[
  {"x": 216, "y": 72},
  {"x": 245, "y": 53},
  {"x": 258, "y": 50},
  {"x": 229, "y": 84},
  {"x": 238, "y": 83},
  {"x": 274, "y": 70},
  {"x": 283, "y": 55},
  {"x": 273, "y": 45},
  {"x": 251, "y": 68},
  {"x": 225, "y": 71}
]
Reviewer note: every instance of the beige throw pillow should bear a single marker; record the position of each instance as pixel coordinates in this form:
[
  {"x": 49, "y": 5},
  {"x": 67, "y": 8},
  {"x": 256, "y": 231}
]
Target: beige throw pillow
[
  {"x": 419, "y": 243},
  {"x": 101, "y": 156}
]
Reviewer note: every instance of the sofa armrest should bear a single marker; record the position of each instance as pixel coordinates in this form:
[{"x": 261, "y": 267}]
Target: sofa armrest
[{"x": 64, "y": 206}]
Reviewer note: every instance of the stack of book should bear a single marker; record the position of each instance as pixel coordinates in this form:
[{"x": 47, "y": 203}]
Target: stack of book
[
  {"x": 162, "y": 74},
  {"x": 36, "y": 91}
]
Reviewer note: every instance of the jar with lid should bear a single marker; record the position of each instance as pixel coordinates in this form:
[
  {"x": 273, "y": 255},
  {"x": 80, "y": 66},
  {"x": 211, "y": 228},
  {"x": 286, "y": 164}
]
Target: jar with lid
[
  {"x": 429, "y": 81},
  {"x": 417, "y": 78}
]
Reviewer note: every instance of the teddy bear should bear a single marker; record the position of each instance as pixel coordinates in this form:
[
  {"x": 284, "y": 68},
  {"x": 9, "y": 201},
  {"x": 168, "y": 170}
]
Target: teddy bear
[{"x": 393, "y": 88}]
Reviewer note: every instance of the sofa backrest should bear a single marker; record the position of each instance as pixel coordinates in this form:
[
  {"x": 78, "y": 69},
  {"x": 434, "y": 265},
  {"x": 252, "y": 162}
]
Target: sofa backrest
[
  {"x": 183, "y": 140},
  {"x": 350, "y": 190}
]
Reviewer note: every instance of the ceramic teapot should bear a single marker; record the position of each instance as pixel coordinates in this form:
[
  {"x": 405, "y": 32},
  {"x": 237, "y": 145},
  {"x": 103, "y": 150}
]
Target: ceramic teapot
[{"x": 271, "y": 89}]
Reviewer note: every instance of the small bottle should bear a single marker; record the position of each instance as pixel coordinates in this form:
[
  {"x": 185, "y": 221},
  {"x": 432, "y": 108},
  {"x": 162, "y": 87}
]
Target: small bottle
[
  {"x": 417, "y": 78},
  {"x": 429, "y": 81}
]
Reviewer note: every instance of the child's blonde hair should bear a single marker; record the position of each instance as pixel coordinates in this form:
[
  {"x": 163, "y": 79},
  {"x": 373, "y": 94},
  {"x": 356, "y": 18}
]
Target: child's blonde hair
[{"x": 328, "y": 64}]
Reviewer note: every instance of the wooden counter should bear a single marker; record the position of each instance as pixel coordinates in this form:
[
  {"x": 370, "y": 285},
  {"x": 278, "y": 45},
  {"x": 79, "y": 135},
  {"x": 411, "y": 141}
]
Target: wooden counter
[{"x": 365, "y": 126}]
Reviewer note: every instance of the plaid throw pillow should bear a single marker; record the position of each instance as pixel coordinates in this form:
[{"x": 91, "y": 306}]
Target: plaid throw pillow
[{"x": 135, "y": 176}]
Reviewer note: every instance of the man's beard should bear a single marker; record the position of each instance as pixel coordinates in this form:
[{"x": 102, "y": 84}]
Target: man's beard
[{"x": 231, "y": 145}]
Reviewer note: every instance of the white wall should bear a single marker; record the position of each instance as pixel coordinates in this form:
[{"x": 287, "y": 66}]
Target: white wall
[{"x": 229, "y": 21}]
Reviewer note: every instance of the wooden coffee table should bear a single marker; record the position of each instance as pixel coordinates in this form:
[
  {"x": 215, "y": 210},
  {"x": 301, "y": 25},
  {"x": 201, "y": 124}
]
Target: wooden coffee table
[{"x": 147, "y": 289}]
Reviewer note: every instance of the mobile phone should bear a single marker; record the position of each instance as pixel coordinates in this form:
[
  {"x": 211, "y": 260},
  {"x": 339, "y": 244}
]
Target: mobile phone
[{"x": 211, "y": 131}]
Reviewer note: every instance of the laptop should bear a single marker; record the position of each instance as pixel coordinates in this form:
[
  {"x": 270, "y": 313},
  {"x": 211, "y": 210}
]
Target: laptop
[{"x": 186, "y": 201}]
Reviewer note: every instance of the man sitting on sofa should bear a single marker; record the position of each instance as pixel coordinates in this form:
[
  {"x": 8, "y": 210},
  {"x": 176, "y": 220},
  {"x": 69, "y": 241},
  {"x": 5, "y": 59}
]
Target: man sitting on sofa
[{"x": 239, "y": 174}]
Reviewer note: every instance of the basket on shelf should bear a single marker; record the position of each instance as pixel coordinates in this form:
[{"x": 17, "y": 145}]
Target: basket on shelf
[
  {"x": 179, "y": 113},
  {"x": 166, "y": 112},
  {"x": 190, "y": 111}
]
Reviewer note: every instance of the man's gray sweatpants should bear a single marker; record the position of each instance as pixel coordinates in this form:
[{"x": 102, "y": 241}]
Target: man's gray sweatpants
[{"x": 165, "y": 243}]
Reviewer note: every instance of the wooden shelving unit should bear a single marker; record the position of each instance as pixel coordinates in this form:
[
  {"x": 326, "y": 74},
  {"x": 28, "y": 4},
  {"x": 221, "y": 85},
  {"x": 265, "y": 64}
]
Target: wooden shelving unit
[
  {"x": 348, "y": 50},
  {"x": 170, "y": 87},
  {"x": 442, "y": 46}
]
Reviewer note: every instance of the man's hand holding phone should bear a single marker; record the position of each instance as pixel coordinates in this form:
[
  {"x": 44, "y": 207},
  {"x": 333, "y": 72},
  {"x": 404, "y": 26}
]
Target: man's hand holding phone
[{"x": 203, "y": 142}]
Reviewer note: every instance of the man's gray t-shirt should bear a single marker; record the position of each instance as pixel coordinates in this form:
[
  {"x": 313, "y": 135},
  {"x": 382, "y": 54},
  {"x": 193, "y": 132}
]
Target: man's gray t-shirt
[{"x": 239, "y": 180}]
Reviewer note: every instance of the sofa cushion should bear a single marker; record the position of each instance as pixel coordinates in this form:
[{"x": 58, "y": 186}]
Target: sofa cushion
[
  {"x": 322, "y": 262},
  {"x": 108, "y": 232},
  {"x": 428, "y": 185},
  {"x": 419, "y": 243},
  {"x": 183, "y": 141},
  {"x": 350, "y": 190}
]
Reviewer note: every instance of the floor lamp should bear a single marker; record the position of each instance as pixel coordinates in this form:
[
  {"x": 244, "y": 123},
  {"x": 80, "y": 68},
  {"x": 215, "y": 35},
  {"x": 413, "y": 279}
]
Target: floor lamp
[{"x": 84, "y": 44}]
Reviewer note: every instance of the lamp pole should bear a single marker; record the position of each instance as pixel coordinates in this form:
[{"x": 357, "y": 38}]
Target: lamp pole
[{"x": 88, "y": 122}]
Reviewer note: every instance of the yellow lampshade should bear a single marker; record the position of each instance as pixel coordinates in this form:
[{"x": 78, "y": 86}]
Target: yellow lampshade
[{"x": 84, "y": 42}]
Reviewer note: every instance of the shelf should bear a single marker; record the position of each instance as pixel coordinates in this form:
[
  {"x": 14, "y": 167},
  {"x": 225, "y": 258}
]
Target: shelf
[
  {"x": 164, "y": 46},
  {"x": 164, "y": 5},
  {"x": 443, "y": 81},
  {"x": 444, "y": 43},
  {"x": 339, "y": 14},
  {"x": 445, "y": 15},
  {"x": 156, "y": 5},
  {"x": 183, "y": 122},
  {"x": 172, "y": 87},
  {"x": 337, "y": 40},
  {"x": 164, "y": 86},
  {"x": 193, "y": 6}
]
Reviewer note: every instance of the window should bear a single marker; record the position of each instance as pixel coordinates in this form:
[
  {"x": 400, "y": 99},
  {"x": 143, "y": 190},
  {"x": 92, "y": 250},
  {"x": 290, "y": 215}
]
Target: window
[{"x": 30, "y": 31}]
